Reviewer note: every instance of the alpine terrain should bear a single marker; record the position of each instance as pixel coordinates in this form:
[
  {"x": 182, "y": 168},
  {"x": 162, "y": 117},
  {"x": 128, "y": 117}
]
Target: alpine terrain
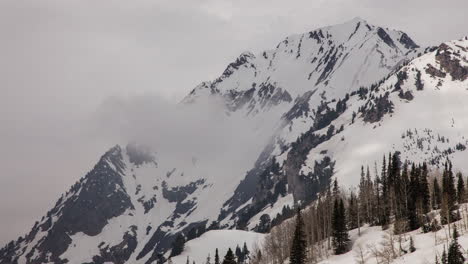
[{"x": 325, "y": 103}]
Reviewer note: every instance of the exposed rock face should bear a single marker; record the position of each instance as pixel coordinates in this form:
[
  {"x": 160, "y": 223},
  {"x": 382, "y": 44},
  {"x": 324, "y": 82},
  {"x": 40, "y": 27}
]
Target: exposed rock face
[
  {"x": 119, "y": 253},
  {"x": 305, "y": 85},
  {"x": 450, "y": 62},
  {"x": 434, "y": 72},
  {"x": 407, "y": 42},
  {"x": 98, "y": 197},
  {"x": 386, "y": 38}
]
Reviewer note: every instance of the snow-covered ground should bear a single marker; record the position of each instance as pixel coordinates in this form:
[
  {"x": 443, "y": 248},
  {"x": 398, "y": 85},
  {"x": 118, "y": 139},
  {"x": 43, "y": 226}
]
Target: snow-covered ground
[
  {"x": 198, "y": 249},
  {"x": 428, "y": 245}
]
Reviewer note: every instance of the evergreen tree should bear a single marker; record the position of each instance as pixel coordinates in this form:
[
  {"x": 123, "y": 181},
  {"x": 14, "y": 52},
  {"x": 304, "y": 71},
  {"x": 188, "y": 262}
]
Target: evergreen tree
[
  {"x": 245, "y": 252},
  {"x": 353, "y": 211},
  {"x": 208, "y": 259},
  {"x": 448, "y": 186},
  {"x": 443, "y": 259},
  {"x": 455, "y": 254},
  {"x": 216, "y": 257},
  {"x": 229, "y": 258},
  {"x": 411, "y": 247},
  {"x": 299, "y": 246},
  {"x": 436, "y": 195},
  {"x": 239, "y": 254},
  {"x": 385, "y": 210},
  {"x": 413, "y": 199},
  {"x": 339, "y": 229},
  {"x": 460, "y": 189},
  {"x": 178, "y": 245},
  {"x": 424, "y": 190}
]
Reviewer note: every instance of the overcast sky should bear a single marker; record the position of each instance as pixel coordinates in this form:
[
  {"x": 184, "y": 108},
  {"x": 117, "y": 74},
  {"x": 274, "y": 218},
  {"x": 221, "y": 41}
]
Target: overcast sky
[{"x": 59, "y": 60}]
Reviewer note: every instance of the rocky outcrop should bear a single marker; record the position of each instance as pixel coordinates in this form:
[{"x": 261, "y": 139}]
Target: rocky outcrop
[{"x": 450, "y": 62}]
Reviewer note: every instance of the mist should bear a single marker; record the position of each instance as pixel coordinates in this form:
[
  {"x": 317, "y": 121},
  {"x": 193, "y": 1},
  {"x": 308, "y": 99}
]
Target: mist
[{"x": 79, "y": 76}]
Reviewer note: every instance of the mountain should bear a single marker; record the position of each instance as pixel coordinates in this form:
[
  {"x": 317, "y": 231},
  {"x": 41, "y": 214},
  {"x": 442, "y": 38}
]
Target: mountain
[{"x": 338, "y": 98}]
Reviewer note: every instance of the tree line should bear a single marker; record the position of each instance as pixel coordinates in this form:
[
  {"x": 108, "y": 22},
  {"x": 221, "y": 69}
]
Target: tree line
[{"x": 401, "y": 193}]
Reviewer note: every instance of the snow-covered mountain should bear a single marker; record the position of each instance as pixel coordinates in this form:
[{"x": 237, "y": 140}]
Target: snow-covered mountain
[{"x": 338, "y": 97}]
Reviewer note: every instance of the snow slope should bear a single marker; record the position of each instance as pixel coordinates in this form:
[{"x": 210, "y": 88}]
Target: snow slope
[
  {"x": 133, "y": 204},
  {"x": 198, "y": 249},
  {"x": 428, "y": 245}
]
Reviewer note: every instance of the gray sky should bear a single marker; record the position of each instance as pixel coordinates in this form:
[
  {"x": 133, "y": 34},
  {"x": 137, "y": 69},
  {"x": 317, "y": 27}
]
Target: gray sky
[{"x": 59, "y": 60}]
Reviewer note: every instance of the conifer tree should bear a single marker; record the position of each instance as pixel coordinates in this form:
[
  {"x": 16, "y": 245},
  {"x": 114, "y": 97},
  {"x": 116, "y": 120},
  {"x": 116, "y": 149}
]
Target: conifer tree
[
  {"x": 413, "y": 199},
  {"x": 436, "y": 195},
  {"x": 443, "y": 258},
  {"x": 411, "y": 247},
  {"x": 238, "y": 253},
  {"x": 460, "y": 189},
  {"x": 216, "y": 257},
  {"x": 245, "y": 252},
  {"x": 298, "y": 248},
  {"x": 424, "y": 190},
  {"x": 353, "y": 211},
  {"x": 448, "y": 185},
  {"x": 455, "y": 254},
  {"x": 385, "y": 210},
  {"x": 229, "y": 257},
  {"x": 339, "y": 229},
  {"x": 178, "y": 245}
]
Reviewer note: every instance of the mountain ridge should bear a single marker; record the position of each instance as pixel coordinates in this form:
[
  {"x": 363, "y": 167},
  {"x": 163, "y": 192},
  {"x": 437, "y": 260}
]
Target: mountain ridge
[{"x": 155, "y": 201}]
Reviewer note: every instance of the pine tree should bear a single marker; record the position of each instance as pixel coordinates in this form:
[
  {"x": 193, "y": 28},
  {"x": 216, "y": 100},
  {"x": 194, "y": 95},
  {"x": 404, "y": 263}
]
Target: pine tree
[
  {"x": 339, "y": 229},
  {"x": 460, "y": 189},
  {"x": 238, "y": 253},
  {"x": 353, "y": 211},
  {"x": 178, "y": 245},
  {"x": 455, "y": 254},
  {"x": 448, "y": 186},
  {"x": 413, "y": 199},
  {"x": 298, "y": 248},
  {"x": 216, "y": 257},
  {"x": 208, "y": 259},
  {"x": 436, "y": 195},
  {"x": 229, "y": 258},
  {"x": 385, "y": 210},
  {"x": 245, "y": 252},
  {"x": 424, "y": 190},
  {"x": 411, "y": 247},
  {"x": 443, "y": 259}
]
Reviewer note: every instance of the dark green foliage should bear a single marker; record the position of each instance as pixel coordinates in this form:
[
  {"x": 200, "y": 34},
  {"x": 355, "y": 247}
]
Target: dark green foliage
[
  {"x": 414, "y": 199},
  {"x": 178, "y": 245},
  {"x": 455, "y": 254},
  {"x": 245, "y": 252},
  {"x": 444, "y": 259},
  {"x": 264, "y": 224},
  {"x": 229, "y": 258},
  {"x": 418, "y": 82},
  {"x": 411, "y": 247},
  {"x": 460, "y": 189},
  {"x": 425, "y": 196},
  {"x": 339, "y": 230},
  {"x": 353, "y": 211},
  {"x": 436, "y": 195},
  {"x": 299, "y": 246},
  {"x": 216, "y": 260}
]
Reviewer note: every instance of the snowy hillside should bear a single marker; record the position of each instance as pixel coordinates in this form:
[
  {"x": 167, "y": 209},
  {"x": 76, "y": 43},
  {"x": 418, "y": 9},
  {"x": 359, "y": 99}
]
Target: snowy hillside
[
  {"x": 200, "y": 248},
  {"x": 323, "y": 104}
]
